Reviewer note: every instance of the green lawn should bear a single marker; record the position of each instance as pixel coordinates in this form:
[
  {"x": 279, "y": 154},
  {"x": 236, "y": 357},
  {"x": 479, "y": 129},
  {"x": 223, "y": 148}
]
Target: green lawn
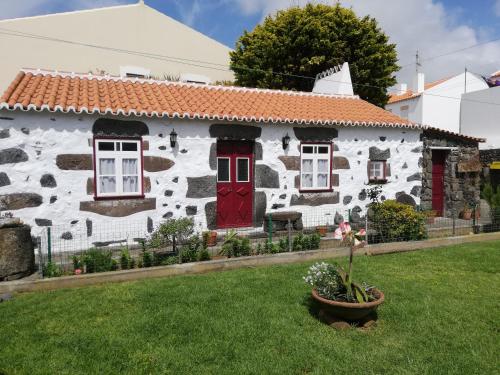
[{"x": 441, "y": 316}]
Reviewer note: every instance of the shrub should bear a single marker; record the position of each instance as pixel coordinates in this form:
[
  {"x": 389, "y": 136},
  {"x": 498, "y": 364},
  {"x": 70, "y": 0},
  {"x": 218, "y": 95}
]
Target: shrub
[
  {"x": 395, "y": 221},
  {"x": 315, "y": 241},
  {"x": 96, "y": 260},
  {"x": 147, "y": 259},
  {"x": 125, "y": 259},
  {"x": 178, "y": 229},
  {"x": 169, "y": 261},
  {"x": 52, "y": 270},
  {"x": 306, "y": 242},
  {"x": 203, "y": 255},
  {"x": 235, "y": 246},
  {"x": 297, "y": 242}
]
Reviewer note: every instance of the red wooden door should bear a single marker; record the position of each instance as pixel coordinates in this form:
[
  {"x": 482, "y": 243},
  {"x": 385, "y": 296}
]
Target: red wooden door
[
  {"x": 438, "y": 161},
  {"x": 234, "y": 184}
]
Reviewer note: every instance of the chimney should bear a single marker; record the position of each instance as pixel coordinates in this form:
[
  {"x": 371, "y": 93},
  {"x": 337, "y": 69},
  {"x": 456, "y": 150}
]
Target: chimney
[
  {"x": 419, "y": 83},
  {"x": 335, "y": 81},
  {"x": 402, "y": 88}
]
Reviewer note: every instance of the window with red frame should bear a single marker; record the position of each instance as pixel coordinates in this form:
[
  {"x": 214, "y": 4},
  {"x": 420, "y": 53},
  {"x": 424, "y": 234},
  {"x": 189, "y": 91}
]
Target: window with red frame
[
  {"x": 377, "y": 171},
  {"x": 315, "y": 166},
  {"x": 118, "y": 167}
]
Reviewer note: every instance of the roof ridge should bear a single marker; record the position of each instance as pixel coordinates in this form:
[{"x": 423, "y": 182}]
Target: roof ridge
[
  {"x": 72, "y": 12},
  {"x": 108, "y": 77}
]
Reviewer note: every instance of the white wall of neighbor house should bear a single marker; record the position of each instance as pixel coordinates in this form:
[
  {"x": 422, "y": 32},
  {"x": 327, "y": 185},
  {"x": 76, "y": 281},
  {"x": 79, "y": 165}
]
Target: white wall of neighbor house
[
  {"x": 43, "y": 136},
  {"x": 133, "y": 29},
  {"x": 480, "y": 116},
  {"x": 410, "y": 109}
]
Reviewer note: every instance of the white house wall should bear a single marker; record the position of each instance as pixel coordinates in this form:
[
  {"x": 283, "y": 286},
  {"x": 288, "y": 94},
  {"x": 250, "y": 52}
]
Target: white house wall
[
  {"x": 42, "y": 137},
  {"x": 480, "y": 116}
]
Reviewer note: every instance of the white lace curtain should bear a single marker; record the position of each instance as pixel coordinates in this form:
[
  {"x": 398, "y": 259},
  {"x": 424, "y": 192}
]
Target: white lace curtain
[
  {"x": 107, "y": 177},
  {"x": 130, "y": 176}
]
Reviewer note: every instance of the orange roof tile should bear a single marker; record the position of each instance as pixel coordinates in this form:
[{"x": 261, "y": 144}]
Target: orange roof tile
[
  {"x": 85, "y": 93},
  {"x": 409, "y": 94}
]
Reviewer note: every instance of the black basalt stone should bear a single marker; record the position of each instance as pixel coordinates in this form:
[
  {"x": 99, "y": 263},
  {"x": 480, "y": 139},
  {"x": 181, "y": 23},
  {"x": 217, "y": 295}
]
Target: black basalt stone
[
  {"x": 265, "y": 177},
  {"x": 4, "y": 179},
  {"x": 201, "y": 187},
  {"x": 106, "y": 126},
  {"x": 191, "y": 210},
  {"x": 235, "y": 132},
  {"x": 415, "y": 177},
  {"x": 362, "y": 195},
  {"x": 67, "y": 236},
  {"x": 149, "y": 225},
  {"x": 53, "y": 199},
  {"x": 43, "y": 222},
  {"x": 378, "y": 154},
  {"x": 347, "y": 199},
  {"x": 48, "y": 180},
  {"x": 315, "y": 134},
  {"x": 4, "y": 133},
  {"x": 12, "y": 155}
]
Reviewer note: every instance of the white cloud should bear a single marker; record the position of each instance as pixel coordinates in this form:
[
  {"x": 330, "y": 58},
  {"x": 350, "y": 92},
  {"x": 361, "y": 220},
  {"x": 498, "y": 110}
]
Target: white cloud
[
  {"x": 25, "y": 8},
  {"x": 189, "y": 12},
  {"x": 496, "y": 8},
  {"x": 424, "y": 25}
]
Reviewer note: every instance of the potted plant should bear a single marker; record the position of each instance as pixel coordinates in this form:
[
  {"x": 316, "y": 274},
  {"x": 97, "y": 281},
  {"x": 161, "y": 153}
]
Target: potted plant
[
  {"x": 467, "y": 212},
  {"x": 430, "y": 216},
  {"x": 334, "y": 288},
  {"x": 322, "y": 230},
  {"x": 210, "y": 238}
]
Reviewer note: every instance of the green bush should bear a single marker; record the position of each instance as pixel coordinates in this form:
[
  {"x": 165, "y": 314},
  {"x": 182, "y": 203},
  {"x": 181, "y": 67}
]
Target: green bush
[
  {"x": 52, "y": 270},
  {"x": 95, "y": 260},
  {"x": 125, "y": 259},
  {"x": 147, "y": 259},
  {"x": 203, "y": 255},
  {"x": 395, "y": 221},
  {"x": 306, "y": 242},
  {"x": 235, "y": 246},
  {"x": 180, "y": 229}
]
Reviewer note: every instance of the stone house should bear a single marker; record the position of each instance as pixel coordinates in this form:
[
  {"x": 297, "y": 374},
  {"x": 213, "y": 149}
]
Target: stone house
[{"x": 100, "y": 149}]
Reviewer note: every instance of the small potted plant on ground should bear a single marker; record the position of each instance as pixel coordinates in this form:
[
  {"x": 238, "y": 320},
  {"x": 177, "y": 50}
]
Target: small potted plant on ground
[
  {"x": 467, "y": 212},
  {"x": 210, "y": 238},
  {"x": 322, "y": 230},
  {"x": 334, "y": 288}
]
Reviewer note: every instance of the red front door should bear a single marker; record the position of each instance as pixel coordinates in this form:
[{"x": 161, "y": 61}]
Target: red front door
[
  {"x": 438, "y": 161},
  {"x": 234, "y": 184}
]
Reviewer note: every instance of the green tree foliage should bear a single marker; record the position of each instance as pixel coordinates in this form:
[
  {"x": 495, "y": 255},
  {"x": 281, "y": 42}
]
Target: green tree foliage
[{"x": 307, "y": 41}]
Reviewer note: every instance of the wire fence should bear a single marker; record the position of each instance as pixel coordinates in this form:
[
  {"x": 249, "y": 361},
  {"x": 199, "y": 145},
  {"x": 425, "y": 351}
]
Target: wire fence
[{"x": 128, "y": 244}]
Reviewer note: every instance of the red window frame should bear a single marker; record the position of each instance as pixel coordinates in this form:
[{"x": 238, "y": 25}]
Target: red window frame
[
  {"x": 383, "y": 180},
  {"x": 94, "y": 162},
  {"x": 330, "y": 187}
]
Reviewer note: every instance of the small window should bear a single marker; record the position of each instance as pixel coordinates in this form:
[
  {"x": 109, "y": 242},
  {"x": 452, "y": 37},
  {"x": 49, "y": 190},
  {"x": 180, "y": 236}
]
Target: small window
[
  {"x": 315, "y": 167},
  {"x": 223, "y": 170},
  {"x": 242, "y": 174},
  {"x": 376, "y": 171},
  {"x": 118, "y": 168}
]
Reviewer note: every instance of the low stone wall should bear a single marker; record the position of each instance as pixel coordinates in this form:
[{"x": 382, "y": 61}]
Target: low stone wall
[{"x": 17, "y": 257}]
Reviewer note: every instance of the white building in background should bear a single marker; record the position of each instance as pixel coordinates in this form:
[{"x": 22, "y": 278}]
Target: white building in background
[
  {"x": 436, "y": 103},
  {"x": 480, "y": 116},
  {"x": 129, "y": 40}
]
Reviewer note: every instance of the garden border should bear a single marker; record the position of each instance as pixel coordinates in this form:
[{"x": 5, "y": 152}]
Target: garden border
[{"x": 232, "y": 263}]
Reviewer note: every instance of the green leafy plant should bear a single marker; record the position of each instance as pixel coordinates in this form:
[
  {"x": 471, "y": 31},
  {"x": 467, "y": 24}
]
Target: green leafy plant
[
  {"x": 235, "y": 246},
  {"x": 52, "y": 270},
  {"x": 493, "y": 199},
  {"x": 394, "y": 221},
  {"x": 125, "y": 259},
  {"x": 173, "y": 231},
  {"x": 332, "y": 282},
  {"x": 96, "y": 260},
  {"x": 147, "y": 258}
]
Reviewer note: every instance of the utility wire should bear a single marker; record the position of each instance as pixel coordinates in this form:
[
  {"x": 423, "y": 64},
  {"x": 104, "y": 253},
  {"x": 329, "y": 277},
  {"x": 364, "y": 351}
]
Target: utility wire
[{"x": 197, "y": 63}]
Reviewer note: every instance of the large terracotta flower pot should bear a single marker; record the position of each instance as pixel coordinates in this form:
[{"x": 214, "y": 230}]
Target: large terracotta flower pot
[{"x": 347, "y": 310}]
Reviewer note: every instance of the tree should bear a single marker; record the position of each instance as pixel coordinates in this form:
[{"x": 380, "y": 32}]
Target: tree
[{"x": 300, "y": 42}]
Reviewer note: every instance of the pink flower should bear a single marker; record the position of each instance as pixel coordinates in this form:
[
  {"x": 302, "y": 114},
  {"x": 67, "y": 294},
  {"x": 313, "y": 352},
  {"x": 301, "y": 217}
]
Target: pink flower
[
  {"x": 344, "y": 231},
  {"x": 78, "y": 271}
]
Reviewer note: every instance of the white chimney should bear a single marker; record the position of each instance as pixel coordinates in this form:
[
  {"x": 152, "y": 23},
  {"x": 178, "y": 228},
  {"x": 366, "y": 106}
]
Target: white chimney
[
  {"x": 419, "y": 83},
  {"x": 403, "y": 88},
  {"x": 336, "y": 81}
]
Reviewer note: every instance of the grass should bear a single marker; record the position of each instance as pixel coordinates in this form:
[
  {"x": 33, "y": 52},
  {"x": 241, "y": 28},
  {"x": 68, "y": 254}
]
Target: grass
[{"x": 441, "y": 316}]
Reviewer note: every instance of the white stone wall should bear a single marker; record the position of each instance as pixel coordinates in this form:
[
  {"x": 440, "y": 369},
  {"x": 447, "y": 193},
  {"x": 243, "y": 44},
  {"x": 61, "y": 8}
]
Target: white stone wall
[{"x": 54, "y": 134}]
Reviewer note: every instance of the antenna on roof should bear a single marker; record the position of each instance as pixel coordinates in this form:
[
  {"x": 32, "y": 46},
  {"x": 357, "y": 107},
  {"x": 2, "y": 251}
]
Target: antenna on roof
[{"x": 417, "y": 62}]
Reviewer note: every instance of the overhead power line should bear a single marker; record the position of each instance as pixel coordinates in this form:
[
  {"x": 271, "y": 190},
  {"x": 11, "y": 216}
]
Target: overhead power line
[{"x": 198, "y": 63}]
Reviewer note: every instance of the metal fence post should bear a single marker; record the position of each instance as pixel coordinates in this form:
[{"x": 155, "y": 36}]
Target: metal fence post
[
  {"x": 366, "y": 227},
  {"x": 454, "y": 222},
  {"x": 270, "y": 228},
  {"x": 49, "y": 245},
  {"x": 289, "y": 235}
]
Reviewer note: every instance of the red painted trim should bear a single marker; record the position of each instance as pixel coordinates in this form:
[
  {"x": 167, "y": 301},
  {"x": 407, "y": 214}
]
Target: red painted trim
[
  {"x": 116, "y": 197},
  {"x": 330, "y": 188}
]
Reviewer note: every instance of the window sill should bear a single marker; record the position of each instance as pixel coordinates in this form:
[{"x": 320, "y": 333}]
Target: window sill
[
  {"x": 377, "y": 182},
  {"x": 119, "y": 197},
  {"x": 315, "y": 190}
]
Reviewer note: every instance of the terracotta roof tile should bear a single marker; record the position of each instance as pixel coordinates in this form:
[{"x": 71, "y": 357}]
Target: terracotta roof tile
[
  {"x": 69, "y": 92},
  {"x": 409, "y": 94}
]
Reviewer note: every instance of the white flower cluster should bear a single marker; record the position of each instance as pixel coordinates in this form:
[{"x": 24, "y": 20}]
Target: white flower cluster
[{"x": 325, "y": 279}]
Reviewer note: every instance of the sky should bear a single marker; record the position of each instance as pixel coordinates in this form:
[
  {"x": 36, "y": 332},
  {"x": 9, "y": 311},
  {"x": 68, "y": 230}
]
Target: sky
[{"x": 432, "y": 27}]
